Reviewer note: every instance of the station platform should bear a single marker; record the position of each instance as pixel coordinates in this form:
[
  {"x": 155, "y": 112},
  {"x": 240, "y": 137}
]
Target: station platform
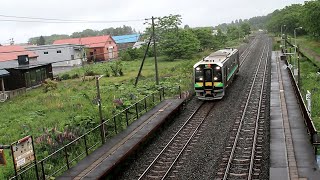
[
  {"x": 291, "y": 152},
  {"x": 105, "y": 159}
]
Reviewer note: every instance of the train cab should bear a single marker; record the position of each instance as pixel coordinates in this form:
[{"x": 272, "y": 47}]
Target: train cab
[
  {"x": 214, "y": 73},
  {"x": 208, "y": 81}
]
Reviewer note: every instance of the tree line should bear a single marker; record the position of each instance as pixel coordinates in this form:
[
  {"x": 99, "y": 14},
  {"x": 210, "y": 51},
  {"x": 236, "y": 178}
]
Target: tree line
[
  {"x": 305, "y": 15},
  {"x": 42, "y": 40},
  {"x": 176, "y": 42}
]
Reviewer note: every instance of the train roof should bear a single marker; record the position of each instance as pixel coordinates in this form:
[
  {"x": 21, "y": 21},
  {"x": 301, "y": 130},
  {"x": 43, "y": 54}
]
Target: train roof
[{"x": 218, "y": 57}]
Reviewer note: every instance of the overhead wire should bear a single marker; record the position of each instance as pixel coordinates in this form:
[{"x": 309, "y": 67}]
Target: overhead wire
[{"x": 55, "y": 20}]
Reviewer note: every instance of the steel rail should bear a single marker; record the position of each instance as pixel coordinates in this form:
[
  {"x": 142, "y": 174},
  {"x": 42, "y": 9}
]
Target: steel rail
[
  {"x": 257, "y": 118},
  {"x": 249, "y": 51},
  {"x": 172, "y": 139},
  {"x": 242, "y": 119}
]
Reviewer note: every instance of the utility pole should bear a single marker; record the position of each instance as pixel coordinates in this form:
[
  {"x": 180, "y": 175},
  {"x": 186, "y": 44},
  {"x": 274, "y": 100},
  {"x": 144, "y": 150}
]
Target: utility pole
[
  {"x": 155, "y": 52},
  {"x": 100, "y": 110},
  {"x": 144, "y": 58}
]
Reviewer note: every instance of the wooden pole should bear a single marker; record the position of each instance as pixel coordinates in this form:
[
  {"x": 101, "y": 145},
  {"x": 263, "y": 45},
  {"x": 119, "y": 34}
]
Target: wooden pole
[{"x": 155, "y": 52}]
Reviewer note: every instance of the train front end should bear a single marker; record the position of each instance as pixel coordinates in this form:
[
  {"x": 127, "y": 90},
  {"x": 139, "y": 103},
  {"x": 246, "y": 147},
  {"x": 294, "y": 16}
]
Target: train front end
[{"x": 208, "y": 81}]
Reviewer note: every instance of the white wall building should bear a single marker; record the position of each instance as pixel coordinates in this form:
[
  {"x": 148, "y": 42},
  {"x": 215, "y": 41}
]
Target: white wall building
[{"x": 59, "y": 54}]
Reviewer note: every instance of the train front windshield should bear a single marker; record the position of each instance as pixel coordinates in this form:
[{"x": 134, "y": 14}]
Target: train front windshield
[{"x": 206, "y": 75}]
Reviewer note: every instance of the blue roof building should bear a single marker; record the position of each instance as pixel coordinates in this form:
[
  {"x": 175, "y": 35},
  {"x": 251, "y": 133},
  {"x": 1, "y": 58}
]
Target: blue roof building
[{"x": 131, "y": 38}]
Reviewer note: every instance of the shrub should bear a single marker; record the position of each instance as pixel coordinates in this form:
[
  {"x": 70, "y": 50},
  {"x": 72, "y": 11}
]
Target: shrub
[
  {"x": 65, "y": 76},
  {"x": 74, "y": 76},
  {"x": 49, "y": 85}
]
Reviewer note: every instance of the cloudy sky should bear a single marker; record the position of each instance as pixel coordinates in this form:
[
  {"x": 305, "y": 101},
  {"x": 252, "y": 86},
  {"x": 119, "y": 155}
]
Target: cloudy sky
[{"x": 195, "y": 13}]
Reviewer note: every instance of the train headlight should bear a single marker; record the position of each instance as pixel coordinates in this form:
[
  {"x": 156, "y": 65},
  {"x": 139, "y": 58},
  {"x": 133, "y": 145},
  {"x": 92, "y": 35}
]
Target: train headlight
[
  {"x": 200, "y": 79},
  {"x": 218, "y": 67},
  {"x": 198, "y": 69},
  {"x": 215, "y": 78}
]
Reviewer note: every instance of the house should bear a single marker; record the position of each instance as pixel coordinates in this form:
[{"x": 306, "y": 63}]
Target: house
[
  {"x": 126, "y": 41},
  {"x": 19, "y": 69},
  {"x": 59, "y": 54},
  {"x": 98, "y": 48}
]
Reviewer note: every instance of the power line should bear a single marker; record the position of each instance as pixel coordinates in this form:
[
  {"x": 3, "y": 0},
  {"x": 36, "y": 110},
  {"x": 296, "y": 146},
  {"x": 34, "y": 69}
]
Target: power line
[{"x": 54, "y": 20}]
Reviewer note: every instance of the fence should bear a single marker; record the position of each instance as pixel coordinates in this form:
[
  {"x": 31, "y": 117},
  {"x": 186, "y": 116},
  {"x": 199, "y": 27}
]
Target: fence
[
  {"x": 71, "y": 153},
  {"x": 307, "y": 117}
]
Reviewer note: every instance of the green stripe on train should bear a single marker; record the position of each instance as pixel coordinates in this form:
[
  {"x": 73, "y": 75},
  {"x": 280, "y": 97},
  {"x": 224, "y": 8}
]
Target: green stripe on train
[
  {"x": 231, "y": 73},
  {"x": 219, "y": 85},
  {"x": 197, "y": 85}
]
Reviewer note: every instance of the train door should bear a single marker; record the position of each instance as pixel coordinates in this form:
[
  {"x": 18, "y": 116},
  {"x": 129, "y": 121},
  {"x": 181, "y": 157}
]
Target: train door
[{"x": 207, "y": 78}]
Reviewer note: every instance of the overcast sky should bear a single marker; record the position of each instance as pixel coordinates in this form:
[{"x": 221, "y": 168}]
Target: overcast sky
[{"x": 195, "y": 13}]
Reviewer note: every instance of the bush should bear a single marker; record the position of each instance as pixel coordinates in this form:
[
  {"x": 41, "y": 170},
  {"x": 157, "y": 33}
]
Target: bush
[
  {"x": 49, "y": 85},
  {"x": 116, "y": 68},
  {"x": 65, "y": 76},
  {"x": 74, "y": 76}
]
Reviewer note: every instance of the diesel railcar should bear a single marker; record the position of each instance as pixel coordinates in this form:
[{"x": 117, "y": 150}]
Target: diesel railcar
[{"x": 215, "y": 72}]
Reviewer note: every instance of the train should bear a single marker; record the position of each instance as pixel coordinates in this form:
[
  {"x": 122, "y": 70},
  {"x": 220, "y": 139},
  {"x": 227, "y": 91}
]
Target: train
[{"x": 214, "y": 73}]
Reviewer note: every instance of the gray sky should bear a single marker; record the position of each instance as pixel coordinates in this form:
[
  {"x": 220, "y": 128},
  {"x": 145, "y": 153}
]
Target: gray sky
[{"x": 195, "y": 13}]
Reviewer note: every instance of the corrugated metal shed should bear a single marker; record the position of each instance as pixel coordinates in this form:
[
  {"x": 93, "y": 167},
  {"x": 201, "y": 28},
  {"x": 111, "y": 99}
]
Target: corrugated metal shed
[{"x": 131, "y": 38}]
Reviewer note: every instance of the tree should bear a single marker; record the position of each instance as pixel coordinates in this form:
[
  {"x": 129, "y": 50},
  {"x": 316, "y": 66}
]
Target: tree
[
  {"x": 41, "y": 41},
  {"x": 186, "y": 26},
  {"x": 311, "y": 17},
  {"x": 221, "y": 38},
  {"x": 164, "y": 25},
  {"x": 179, "y": 44},
  {"x": 204, "y": 35},
  {"x": 245, "y": 27}
]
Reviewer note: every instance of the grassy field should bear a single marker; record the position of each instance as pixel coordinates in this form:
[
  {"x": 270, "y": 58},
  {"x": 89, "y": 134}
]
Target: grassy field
[
  {"x": 309, "y": 43},
  {"x": 72, "y": 106}
]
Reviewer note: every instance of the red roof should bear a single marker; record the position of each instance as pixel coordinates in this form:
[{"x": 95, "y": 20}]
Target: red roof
[
  {"x": 96, "y": 41},
  {"x": 9, "y": 53}
]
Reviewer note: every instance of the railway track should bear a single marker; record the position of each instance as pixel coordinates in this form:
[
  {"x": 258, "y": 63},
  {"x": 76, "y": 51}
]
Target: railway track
[
  {"x": 164, "y": 162},
  {"x": 242, "y": 155},
  {"x": 247, "y": 51}
]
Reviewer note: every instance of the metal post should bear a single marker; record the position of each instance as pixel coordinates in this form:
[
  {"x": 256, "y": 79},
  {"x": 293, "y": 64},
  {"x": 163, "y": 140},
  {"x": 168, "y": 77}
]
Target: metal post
[
  {"x": 145, "y": 104},
  {"x": 299, "y": 80},
  {"x": 85, "y": 144},
  {"x": 295, "y": 37},
  {"x": 155, "y": 52},
  {"x": 2, "y": 85},
  {"x": 82, "y": 57},
  {"x": 42, "y": 169},
  {"x": 127, "y": 117},
  {"x": 66, "y": 155},
  {"x": 14, "y": 164},
  {"x": 35, "y": 159},
  {"x": 137, "y": 113},
  {"x": 100, "y": 110}
]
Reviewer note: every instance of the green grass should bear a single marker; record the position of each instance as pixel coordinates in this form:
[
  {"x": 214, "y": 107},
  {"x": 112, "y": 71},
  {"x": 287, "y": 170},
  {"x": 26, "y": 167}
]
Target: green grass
[
  {"x": 310, "y": 81},
  {"x": 310, "y": 43},
  {"x": 71, "y": 105}
]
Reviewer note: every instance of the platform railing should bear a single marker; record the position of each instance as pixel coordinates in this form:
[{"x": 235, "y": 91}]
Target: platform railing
[
  {"x": 70, "y": 154},
  {"x": 312, "y": 131}
]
